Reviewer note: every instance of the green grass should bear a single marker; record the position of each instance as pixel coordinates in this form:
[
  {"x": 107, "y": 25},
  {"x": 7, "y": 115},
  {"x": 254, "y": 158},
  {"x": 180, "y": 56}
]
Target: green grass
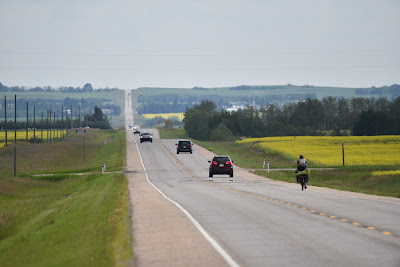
[
  {"x": 246, "y": 155},
  {"x": 173, "y": 133},
  {"x": 73, "y": 222},
  {"x": 355, "y": 179},
  {"x": 66, "y": 219}
]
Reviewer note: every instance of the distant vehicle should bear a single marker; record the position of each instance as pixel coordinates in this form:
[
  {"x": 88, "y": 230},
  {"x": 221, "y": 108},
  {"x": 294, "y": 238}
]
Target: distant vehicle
[
  {"x": 146, "y": 137},
  {"x": 136, "y": 131},
  {"x": 184, "y": 146},
  {"x": 220, "y": 165}
]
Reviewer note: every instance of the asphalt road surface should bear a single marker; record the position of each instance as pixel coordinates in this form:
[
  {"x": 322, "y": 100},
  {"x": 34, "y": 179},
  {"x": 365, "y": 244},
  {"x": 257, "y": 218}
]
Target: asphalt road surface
[{"x": 259, "y": 222}]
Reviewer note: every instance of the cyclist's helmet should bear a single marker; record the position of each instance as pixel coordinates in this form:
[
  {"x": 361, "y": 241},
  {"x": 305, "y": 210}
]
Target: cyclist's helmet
[{"x": 301, "y": 157}]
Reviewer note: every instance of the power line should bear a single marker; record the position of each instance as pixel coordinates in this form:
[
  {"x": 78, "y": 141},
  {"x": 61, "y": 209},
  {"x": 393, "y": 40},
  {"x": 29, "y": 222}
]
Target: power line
[
  {"x": 200, "y": 54},
  {"x": 199, "y": 69}
]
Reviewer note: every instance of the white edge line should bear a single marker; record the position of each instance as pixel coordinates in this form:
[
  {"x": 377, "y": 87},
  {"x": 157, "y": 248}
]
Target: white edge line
[{"x": 211, "y": 240}]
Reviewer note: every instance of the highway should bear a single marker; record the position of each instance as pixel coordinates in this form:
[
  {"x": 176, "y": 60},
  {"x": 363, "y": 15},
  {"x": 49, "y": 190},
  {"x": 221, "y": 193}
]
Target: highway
[
  {"x": 259, "y": 222},
  {"x": 267, "y": 224}
]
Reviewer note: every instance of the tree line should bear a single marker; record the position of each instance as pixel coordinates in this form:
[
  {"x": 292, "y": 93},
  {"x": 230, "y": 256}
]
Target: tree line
[
  {"x": 175, "y": 103},
  {"x": 58, "y": 121},
  {"x": 87, "y": 88},
  {"x": 86, "y": 105},
  {"x": 336, "y": 116}
]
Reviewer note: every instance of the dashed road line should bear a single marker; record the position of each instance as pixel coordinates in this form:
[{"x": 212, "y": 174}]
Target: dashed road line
[{"x": 276, "y": 200}]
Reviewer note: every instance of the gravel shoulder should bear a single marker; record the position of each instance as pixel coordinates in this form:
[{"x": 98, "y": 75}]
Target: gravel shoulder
[{"x": 162, "y": 234}]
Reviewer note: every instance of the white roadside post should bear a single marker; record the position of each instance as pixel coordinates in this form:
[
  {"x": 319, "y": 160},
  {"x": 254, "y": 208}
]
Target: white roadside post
[
  {"x": 268, "y": 166},
  {"x": 105, "y": 166},
  {"x": 264, "y": 164},
  {"x": 102, "y": 168}
]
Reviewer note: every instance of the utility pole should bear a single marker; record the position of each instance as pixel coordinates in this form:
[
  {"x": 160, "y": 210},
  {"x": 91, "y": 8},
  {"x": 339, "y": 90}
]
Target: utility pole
[
  {"x": 47, "y": 120},
  {"x": 27, "y": 121},
  {"x": 54, "y": 127},
  {"x": 42, "y": 128},
  {"x": 62, "y": 123},
  {"x": 80, "y": 125},
  {"x": 15, "y": 120},
  {"x": 57, "y": 129},
  {"x": 343, "y": 152},
  {"x": 34, "y": 123},
  {"x": 5, "y": 115},
  {"x": 84, "y": 152},
  {"x": 50, "y": 126}
]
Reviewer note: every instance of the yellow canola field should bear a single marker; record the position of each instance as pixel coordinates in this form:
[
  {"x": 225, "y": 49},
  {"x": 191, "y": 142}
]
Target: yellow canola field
[
  {"x": 164, "y": 115},
  {"x": 22, "y": 135},
  {"x": 381, "y": 173},
  {"x": 327, "y": 150}
]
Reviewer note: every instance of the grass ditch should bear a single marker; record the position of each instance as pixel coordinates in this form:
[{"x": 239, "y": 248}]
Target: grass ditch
[
  {"x": 351, "y": 178},
  {"x": 66, "y": 219}
]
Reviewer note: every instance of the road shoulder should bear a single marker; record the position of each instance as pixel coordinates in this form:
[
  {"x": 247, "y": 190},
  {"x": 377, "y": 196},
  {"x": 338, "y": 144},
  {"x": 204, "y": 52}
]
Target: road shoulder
[{"x": 162, "y": 234}]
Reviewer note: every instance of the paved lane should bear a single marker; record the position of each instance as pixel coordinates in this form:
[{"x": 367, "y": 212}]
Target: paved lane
[{"x": 265, "y": 224}]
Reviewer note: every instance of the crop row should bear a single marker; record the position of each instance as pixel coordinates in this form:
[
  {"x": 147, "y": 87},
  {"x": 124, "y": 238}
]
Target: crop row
[
  {"x": 22, "y": 135},
  {"x": 164, "y": 115}
]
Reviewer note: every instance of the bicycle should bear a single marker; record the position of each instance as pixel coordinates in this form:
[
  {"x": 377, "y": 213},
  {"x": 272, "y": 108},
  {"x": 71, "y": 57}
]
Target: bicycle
[{"x": 302, "y": 178}]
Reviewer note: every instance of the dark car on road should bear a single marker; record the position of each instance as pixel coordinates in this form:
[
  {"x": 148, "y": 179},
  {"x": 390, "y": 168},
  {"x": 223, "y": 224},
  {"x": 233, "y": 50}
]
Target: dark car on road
[
  {"x": 146, "y": 137},
  {"x": 184, "y": 146},
  {"x": 220, "y": 165}
]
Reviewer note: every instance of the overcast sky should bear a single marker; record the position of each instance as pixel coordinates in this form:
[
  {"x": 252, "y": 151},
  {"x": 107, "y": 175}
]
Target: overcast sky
[{"x": 208, "y": 43}]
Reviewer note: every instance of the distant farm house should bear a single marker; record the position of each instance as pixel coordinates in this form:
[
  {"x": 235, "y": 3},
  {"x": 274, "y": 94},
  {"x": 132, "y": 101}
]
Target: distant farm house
[{"x": 107, "y": 112}]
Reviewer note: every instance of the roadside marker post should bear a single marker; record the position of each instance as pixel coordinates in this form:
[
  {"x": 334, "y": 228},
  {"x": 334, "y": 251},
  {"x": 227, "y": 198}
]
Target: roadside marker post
[
  {"x": 104, "y": 166},
  {"x": 264, "y": 164},
  {"x": 268, "y": 166}
]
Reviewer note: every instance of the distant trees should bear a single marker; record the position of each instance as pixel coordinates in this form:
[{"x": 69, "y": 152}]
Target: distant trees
[
  {"x": 87, "y": 88},
  {"x": 98, "y": 119},
  {"x": 359, "y": 116}
]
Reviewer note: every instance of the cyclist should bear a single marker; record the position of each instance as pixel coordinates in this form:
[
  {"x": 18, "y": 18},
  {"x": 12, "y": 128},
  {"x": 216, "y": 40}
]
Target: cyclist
[{"x": 301, "y": 166}]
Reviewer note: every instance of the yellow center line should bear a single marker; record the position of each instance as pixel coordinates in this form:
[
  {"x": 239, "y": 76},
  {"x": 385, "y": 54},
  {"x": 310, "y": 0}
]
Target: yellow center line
[{"x": 264, "y": 197}]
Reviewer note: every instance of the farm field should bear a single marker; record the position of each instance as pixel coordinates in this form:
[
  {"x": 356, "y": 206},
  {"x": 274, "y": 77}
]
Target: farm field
[
  {"x": 327, "y": 150},
  {"x": 164, "y": 115},
  {"x": 21, "y": 135}
]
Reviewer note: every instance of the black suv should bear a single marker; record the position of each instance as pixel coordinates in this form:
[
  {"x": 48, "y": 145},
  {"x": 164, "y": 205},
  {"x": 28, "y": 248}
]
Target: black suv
[
  {"x": 146, "y": 137},
  {"x": 220, "y": 165},
  {"x": 184, "y": 146}
]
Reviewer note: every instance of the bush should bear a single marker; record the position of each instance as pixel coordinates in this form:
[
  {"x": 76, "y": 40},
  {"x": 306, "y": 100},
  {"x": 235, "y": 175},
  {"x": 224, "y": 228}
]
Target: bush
[{"x": 222, "y": 133}]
